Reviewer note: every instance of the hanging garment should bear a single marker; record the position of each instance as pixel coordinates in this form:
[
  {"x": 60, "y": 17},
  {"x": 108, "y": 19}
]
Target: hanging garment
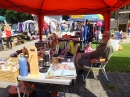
[
  {"x": 20, "y": 27},
  {"x": 31, "y": 28},
  {"x": 90, "y": 33},
  {"x": 93, "y": 31},
  {"x": 24, "y": 26},
  {"x": 99, "y": 23},
  {"x": 99, "y": 35},
  {"x": 86, "y": 34},
  {"x": 82, "y": 33},
  {"x": 95, "y": 28}
]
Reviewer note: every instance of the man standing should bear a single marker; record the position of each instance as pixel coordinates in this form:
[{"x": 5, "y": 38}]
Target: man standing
[
  {"x": 104, "y": 50},
  {"x": 128, "y": 28}
]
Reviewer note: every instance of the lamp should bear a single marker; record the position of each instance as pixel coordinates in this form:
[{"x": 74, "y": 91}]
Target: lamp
[{"x": 110, "y": 2}]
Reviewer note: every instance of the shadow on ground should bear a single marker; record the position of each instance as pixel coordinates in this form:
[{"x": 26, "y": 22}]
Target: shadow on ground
[{"x": 119, "y": 86}]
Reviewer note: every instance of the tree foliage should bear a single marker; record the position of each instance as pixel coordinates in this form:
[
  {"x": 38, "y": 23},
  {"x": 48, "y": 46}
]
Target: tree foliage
[
  {"x": 113, "y": 15},
  {"x": 2, "y": 12},
  {"x": 14, "y": 16}
]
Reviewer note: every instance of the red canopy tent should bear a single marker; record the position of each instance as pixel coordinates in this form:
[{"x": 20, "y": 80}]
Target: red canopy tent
[{"x": 65, "y": 7}]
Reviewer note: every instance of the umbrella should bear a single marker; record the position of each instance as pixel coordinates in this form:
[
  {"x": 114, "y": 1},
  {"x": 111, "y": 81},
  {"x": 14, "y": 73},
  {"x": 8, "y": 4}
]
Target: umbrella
[
  {"x": 94, "y": 17},
  {"x": 78, "y": 20},
  {"x": 90, "y": 18},
  {"x": 68, "y": 7},
  {"x": 77, "y": 17},
  {"x": 2, "y": 18}
]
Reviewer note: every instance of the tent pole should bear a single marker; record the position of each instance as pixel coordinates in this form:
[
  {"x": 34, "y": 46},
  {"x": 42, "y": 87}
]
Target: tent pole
[
  {"x": 107, "y": 18},
  {"x": 40, "y": 25}
]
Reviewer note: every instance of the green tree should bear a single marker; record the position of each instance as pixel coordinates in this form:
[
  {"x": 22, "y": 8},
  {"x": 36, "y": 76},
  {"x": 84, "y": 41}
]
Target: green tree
[
  {"x": 65, "y": 17},
  {"x": 12, "y": 16},
  {"x": 113, "y": 15},
  {"x": 2, "y": 12},
  {"x": 15, "y": 17},
  {"x": 25, "y": 16}
]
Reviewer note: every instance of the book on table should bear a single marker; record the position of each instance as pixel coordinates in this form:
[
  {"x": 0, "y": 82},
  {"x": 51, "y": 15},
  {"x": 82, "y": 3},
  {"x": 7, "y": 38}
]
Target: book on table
[{"x": 64, "y": 69}]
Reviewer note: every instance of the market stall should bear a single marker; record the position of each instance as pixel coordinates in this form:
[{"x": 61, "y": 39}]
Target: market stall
[
  {"x": 75, "y": 7},
  {"x": 43, "y": 64}
]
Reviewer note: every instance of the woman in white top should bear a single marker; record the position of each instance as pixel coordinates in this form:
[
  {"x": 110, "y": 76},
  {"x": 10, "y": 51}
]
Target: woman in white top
[{"x": 53, "y": 26}]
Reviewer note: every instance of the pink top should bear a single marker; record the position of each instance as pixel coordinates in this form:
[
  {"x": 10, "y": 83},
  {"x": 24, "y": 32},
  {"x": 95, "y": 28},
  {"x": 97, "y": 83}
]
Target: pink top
[{"x": 88, "y": 49}]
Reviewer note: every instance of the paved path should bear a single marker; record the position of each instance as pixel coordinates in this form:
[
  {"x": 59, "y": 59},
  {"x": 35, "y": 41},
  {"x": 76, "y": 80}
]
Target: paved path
[
  {"x": 119, "y": 85},
  {"x": 15, "y": 48}
]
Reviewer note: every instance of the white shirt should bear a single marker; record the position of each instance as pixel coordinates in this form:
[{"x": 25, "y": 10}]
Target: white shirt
[{"x": 53, "y": 27}]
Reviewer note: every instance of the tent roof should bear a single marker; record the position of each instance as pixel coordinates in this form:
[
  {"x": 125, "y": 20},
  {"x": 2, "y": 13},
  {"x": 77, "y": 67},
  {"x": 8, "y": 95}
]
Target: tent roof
[{"x": 67, "y": 7}]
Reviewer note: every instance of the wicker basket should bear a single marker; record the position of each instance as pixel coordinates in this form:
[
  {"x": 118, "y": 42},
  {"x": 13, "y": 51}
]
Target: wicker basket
[{"x": 9, "y": 76}]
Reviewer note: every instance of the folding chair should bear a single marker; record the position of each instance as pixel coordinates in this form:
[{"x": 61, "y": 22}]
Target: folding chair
[{"x": 96, "y": 66}]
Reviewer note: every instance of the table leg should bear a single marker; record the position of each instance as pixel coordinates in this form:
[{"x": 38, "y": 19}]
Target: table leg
[
  {"x": 18, "y": 91},
  {"x": 64, "y": 90},
  {"x": 27, "y": 92}
]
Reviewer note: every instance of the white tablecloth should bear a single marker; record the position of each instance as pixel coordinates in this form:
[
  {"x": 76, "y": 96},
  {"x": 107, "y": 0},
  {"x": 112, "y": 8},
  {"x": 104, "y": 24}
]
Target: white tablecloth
[{"x": 42, "y": 79}]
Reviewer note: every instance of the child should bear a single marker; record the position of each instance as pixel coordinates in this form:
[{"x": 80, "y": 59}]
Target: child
[{"x": 7, "y": 30}]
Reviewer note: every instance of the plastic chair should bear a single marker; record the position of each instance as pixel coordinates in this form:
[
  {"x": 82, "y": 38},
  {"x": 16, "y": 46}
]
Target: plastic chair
[{"x": 96, "y": 66}]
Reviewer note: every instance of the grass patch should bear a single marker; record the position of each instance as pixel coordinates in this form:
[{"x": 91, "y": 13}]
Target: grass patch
[{"x": 120, "y": 60}]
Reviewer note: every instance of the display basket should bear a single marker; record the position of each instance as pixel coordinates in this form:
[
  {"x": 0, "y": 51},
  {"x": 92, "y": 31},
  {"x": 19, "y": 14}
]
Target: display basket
[{"x": 9, "y": 75}]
